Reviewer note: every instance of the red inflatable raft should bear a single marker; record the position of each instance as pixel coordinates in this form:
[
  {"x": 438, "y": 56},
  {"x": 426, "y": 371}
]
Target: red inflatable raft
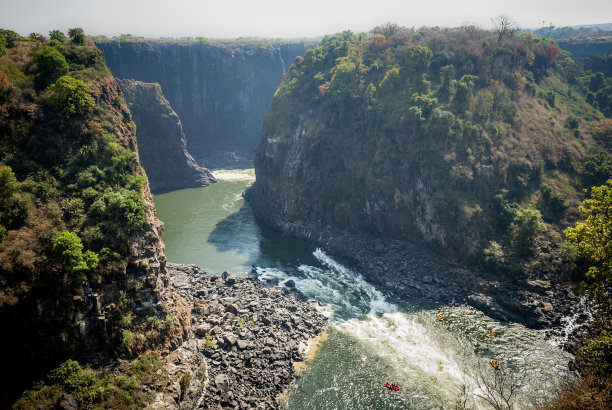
[{"x": 392, "y": 386}]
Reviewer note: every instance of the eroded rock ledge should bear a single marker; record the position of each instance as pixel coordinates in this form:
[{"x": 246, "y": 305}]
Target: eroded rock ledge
[{"x": 251, "y": 336}]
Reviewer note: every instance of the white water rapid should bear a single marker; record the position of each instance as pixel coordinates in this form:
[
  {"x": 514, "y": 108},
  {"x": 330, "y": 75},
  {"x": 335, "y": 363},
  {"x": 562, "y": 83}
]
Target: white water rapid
[{"x": 373, "y": 341}]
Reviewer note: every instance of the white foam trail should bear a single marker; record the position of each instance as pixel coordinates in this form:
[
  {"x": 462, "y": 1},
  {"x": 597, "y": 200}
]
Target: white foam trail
[
  {"x": 234, "y": 174},
  {"x": 356, "y": 284},
  {"x": 431, "y": 359},
  {"x": 348, "y": 294},
  {"x": 409, "y": 346},
  {"x": 231, "y": 202},
  {"x": 569, "y": 324}
]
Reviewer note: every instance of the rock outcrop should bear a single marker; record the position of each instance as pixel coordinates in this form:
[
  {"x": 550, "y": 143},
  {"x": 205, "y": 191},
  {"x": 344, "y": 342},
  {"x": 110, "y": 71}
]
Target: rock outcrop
[
  {"x": 221, "y": 91},
  {"x": 161, "y": 142},
  {"x": 251, "y": 335},
  {"x": 51, "y": 312},
  {"x": 409, "y": 150},
  {"x": 348, "y": 152}
]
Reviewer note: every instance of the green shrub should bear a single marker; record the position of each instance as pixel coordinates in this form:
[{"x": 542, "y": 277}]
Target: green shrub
[
  {"x": 69, "y": 250},
  {"x": 10, "y": 36},
  {"x": 50, "y": 65},
  {"x": 153, "y": 321},
  {"x": 2, "y": 45},
  {"x": 126, "y": 337},
  {"x": 72, "y": 376},
  {"x": 596, "y": 168},
  {"x": 123, "y": 300},
  {"x": 57, "y": 35},
  {"x": 77, "y": 36},
  {"x": 550, "y": 98},
  {"x": 571, "y": 123},
  {"x": 127, "y": 208},
  {"x": 69, "y": 97},
  {"x": 494, "y": 255},
  {"x": 209, "y": 344},
  {"x": 184, "y": 383},
  {"x": 596, "y": 355},
  {"x": 593, "y": 240},
  {"x": 169, "y": 321},
  {"x": 14, "y": 206},
  {"x": 527, "y": 224},
  {"x": 126, "y": 321},
  {"x": 553, "y": 202}
]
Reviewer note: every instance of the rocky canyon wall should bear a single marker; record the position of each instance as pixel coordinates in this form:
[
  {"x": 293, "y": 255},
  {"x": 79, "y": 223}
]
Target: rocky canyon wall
[
  {"x": 162, "y": 146},
  {"x": 220, "y": 91}
]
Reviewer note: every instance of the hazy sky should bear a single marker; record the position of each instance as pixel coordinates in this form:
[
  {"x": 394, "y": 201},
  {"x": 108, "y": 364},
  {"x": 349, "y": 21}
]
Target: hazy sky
[{"x": 283, "y": 18}]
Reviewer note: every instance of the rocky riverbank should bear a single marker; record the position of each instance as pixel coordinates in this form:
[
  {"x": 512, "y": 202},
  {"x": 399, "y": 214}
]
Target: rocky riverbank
[
  {"x": 406, "y": 271},
  {"x": 252, "y": 336}
]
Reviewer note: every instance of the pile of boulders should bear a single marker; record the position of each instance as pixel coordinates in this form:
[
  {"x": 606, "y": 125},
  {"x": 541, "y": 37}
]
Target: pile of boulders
[{"x": 252, "y": 335}]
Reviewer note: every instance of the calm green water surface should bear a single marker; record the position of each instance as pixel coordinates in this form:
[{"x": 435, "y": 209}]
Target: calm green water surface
[
  {"x": 372, "y": 340},
  {"x": 215, "y": 229}
]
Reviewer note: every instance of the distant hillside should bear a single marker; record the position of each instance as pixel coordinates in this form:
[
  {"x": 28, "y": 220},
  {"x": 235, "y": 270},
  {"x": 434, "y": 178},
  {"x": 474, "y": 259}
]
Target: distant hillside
[
  {"x": 582, "y": 41},
  {"x": 574, "y": 33},
  {"x": 601, "y": 26}
]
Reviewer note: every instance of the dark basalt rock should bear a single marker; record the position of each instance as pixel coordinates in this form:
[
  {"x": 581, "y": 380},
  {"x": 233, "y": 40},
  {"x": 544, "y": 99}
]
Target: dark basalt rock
[
  {"x": 258, "y": 332},
  {"x": 220, "y": 91},
  {"x": 161, "y": 142}
]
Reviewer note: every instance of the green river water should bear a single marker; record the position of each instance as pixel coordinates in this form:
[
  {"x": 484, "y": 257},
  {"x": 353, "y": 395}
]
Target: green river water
[{"x": 371, "y": 340}]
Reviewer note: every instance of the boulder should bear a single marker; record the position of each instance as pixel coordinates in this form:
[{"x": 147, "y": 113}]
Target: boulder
[
  {"x": 231, "y": 308},
  {"x": 203, "y": 329},
  {"x": 222, "y": 382},
  {"x": 67, "y": 402},
  {"x": 230, "y": 339}
]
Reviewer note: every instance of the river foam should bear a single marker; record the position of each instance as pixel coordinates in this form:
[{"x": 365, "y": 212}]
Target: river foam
[
  {"x": 234, "y": 174},
  {"x": 373, "y": 339}
]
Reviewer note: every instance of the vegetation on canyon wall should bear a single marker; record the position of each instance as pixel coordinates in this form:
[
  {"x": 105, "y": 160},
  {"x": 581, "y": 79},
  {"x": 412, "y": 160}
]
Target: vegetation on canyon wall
[
  {"x": 479, "y": 145},
  {"x": 482, "y": 144},
  {"x": 78, "y": 233}
]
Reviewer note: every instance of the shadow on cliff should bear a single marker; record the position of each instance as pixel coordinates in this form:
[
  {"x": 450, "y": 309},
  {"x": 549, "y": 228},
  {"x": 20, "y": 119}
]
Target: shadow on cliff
[{"x": 241, "y": 232}]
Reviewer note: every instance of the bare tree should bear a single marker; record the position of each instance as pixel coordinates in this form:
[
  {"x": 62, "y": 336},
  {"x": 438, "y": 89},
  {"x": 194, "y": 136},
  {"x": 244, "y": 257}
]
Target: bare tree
[
  {"x": 505, "y": 27},
  {"x": 499, "y": 387},
  {"x": 462, "y": 399}
]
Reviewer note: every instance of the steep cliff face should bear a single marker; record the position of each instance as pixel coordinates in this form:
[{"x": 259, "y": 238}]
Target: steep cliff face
[
  {"x": 450, "y": 138},
  {"x": 220, "y": 91},
  {"x": 69, "y": 165},
  {"x": 161, "y": 142}
]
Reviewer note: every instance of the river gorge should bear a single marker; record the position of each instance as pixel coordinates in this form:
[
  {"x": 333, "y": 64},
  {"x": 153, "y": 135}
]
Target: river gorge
[{"x": 372, "y": 338}]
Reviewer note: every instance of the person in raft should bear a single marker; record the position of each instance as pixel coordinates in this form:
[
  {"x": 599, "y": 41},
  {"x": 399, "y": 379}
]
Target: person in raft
[{"x": 392, "y": 386}]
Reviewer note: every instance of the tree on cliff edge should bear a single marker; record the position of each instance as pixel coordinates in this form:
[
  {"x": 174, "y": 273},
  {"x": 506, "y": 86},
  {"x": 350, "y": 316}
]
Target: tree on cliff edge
[
  {"x": 77, "y": 36},
  {"x": 505, "y": 27},
  {"x": 594, "y": 240}
]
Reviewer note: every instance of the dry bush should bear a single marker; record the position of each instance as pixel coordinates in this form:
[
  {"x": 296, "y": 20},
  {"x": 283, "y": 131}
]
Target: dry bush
[{"x": 588, "y": 393}]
